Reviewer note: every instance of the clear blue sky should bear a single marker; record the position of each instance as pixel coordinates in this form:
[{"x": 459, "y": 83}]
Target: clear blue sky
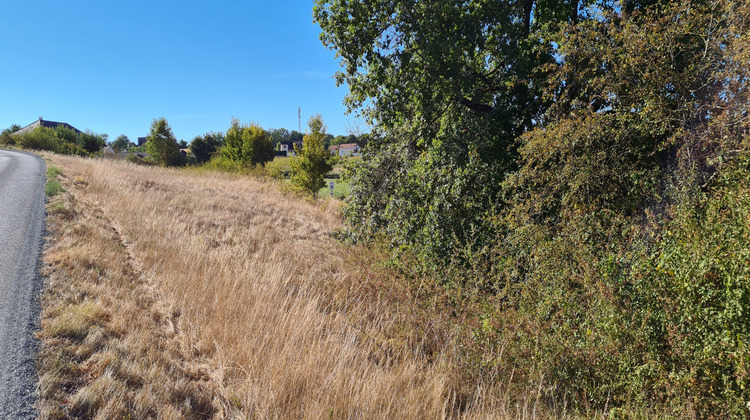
[{"x": 113, "y": 66}]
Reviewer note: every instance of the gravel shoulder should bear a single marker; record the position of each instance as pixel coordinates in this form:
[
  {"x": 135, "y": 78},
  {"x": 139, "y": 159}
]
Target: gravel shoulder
[{"x": 22, "y": 177}]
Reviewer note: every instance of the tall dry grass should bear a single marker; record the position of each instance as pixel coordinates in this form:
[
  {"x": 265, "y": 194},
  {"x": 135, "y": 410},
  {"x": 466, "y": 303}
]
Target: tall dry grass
[{"x": 297, "y": 325}]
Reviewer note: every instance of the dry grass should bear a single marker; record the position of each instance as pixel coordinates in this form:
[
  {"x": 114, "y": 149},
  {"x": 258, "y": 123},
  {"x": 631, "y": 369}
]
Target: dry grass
[{"x": 177, "y": 294}]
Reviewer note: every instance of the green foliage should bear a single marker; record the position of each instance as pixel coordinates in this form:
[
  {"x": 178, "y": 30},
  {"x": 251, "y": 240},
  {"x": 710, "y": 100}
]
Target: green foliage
[
  {"x": 161, "y": 144},
  {"x": 576, "y": 184},
  {"x": 693, "y": 293},
  {"x": 122, "y": 142},
  {"x": 351, "y": 138},
  {"x": 340, "y": 189},
  {"x": 312, "y": 160},
  {"x": 204, "y": 147},
  {"x": 59, "y": 140},
  {"x": 279, "y": 167},
  {"x": 419, "y": 200},
  {"x": 278, "y": 135},
  {"x": 43, "y": 138},
  {"x": 135, "y": 159},
  {"x": 224, "y": 164},
  {"x": 6, "y": 137},
  {"x": 53, "y": 186},
  {"x": 53, "y": 172},
  {"x": 447, "y": 107},
  {"x": 626, "y": 222},
  {"x": 248, "y": 145},
  {"x": 90, "y": 142}
]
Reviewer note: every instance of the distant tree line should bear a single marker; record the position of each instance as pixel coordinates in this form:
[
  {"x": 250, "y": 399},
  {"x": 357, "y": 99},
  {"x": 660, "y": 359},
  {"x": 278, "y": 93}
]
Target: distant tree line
[{"x": 243, "y": 147}]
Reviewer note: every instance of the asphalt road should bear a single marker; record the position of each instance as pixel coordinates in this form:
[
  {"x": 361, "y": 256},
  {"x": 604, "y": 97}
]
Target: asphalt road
[{"x": 22, "y": 179}]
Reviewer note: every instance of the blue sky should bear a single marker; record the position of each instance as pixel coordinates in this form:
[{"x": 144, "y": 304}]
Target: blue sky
[{"x": 113, "y": 66}]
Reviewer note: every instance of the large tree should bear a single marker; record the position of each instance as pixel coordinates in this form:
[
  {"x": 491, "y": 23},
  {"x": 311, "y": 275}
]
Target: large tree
[
  {"x": 448, "y": 87},
  {"x": 161, "y": 144}
]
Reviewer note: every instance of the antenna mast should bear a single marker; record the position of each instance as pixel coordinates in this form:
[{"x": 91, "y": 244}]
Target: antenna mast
[{"x": 299, "y": 119}]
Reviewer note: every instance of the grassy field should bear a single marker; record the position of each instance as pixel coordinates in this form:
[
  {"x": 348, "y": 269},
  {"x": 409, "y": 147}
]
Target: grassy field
[{"x": 174, "y": 294}]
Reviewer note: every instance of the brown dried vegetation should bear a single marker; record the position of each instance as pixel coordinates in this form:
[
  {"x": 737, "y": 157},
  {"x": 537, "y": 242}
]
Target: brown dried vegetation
[{"x": 176, "y": 294}]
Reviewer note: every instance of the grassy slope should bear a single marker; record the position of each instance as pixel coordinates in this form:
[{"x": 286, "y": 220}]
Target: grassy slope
[
  {"x": 200, "y": 294},
  {"x": 111, "y": 345}
]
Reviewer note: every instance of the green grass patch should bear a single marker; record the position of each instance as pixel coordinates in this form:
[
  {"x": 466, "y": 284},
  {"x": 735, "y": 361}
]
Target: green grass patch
[
  {"x": 340, "y": 189},
  {"x": 53, "y": 172},
  {"x": 53, "y": 186}
]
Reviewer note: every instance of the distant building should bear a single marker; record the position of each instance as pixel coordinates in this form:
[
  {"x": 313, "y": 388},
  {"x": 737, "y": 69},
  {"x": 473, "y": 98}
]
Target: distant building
[
  {"x": 141, "y": 141},
  {"x": 348, "y": 149},
  {"x": 108, "y": 152},
  {"x": 45, "y": 123},
  {"x": 288, "y": 146}
]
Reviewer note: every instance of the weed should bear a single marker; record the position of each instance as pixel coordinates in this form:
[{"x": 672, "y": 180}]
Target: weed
[{"x": 52, "y": 188}]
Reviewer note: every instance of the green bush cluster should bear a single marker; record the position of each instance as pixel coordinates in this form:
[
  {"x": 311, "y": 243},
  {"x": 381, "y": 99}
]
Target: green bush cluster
[
  {"x": 59, "y": 140},
  {"x": 576, "y": 185},
  {"x": 313, "y": 160},
  {"x": 245, "y": 145}
]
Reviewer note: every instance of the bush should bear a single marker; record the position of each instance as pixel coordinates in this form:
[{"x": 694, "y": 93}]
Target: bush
[
  {"x": 248, "y": 145},
  {"x": 6, "y": 136},
  {"x": 694, "y": 298},
  {"x": 312, "y": 160},
  {"x": 224, "y": 164},
  {"x": 41, "y": 138}
]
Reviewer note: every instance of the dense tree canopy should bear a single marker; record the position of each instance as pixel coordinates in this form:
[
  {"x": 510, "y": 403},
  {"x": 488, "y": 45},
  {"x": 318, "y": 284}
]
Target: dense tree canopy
[
  {"x": 449, "y": 87},
  {"x": 574, "y": 162}
]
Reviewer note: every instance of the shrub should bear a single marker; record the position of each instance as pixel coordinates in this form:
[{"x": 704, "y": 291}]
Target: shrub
[
  {"x": 312, "y": 160},
  {"x": 224, "y": 164},
  {"x": 41, "y": 138},
  {"x": 248, "y": 145},
  {"x": 6, "y": 136}
]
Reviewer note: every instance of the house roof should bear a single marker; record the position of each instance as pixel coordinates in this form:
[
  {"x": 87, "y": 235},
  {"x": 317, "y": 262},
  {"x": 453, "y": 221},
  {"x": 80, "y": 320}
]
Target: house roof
[
  {"x": 346, "y": 146},
  {"x": 45, "y": 123}
]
